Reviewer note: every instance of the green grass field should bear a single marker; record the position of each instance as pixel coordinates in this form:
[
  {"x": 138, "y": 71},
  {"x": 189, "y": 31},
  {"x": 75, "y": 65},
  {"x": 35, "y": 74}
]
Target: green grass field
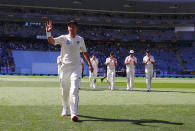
[{"x": 33, "y": 103}]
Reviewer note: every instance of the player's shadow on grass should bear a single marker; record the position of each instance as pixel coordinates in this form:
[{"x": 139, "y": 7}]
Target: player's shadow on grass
[
  {"x": 92, "y": 89},
  {"x": 136, "y": 122},
  {"x": 103, "y": 89},
  {"x": 164, "y": 91}
]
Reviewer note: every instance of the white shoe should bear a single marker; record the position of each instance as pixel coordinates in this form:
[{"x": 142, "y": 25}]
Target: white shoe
[
  {"x": 64, "y": 113},
  {"x": 128, "y": 89},
  {"x": 131, "y": 89},
  {"x": 94, "y": 86}
]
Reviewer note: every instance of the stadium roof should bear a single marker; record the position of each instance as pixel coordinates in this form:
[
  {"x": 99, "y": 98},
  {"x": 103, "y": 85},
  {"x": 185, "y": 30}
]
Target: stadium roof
[{"x": 124, "y": 6}]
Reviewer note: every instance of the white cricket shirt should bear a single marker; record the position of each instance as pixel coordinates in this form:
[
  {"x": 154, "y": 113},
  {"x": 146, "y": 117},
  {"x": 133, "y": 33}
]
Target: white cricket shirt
[
  {"x": 130, "y": 66},
  {"x": 94, "y": 64},
  {"x": 149, "y": 65},
  {"x": 110, "y": 66},
  {"x": 71, "y": 48}
]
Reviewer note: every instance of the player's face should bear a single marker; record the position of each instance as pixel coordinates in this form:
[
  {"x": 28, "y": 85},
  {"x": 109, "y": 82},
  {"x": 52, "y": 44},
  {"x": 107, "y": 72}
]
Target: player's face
[
  {"x": 93, "y": 57},
  {"x": 111, "y": 56},
  {"x": 131, "y": 54},
  {"x": 148, "y": 54},
  {"x": 72, "y": 28}
]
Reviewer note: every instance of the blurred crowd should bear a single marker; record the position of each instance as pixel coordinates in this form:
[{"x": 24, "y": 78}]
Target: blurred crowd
[
  {"x": 31, "y": 36},
  {"x": 166, "y": 56},
  {"x": 86, "y": 17},
  {"x": 6, "y": 61},
  {"x": 37, "y": 29}
]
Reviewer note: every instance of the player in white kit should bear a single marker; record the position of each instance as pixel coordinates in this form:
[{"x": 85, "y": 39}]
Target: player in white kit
[
  {"x": 148, "y": 61},
  {"x": 130, "y": 63},
  {"x": 93, "y": 75},
  {"x": 111, "y": 63},
  {"x": 70, "y": 76}
]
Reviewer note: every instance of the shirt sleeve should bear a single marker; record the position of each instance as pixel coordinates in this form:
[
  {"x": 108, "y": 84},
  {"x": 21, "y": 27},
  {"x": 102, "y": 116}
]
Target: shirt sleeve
[
  {"x": 135, "y": 59},
  {"x": 58, "y": 59},
  {"x": 126, "y": 59},
  {"x": 152, "y": 59},
  {"x": 83, "y": 47},
  {"x": 107, "y": 60},
  {"x": 116, "y": 60},
  {"x": 144, "y": 60},
  {"x": 58, "y": 40}
]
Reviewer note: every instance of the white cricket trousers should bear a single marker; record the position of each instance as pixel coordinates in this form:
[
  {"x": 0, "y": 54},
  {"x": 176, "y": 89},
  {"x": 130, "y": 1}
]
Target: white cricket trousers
[
  {"x": 149, "y": 74},
  {"x": 92, "y": 77},
  {"x": 130, "y": 78},
  {"x": 111, "y": 78},
  {"x": 70, "y": 78}
]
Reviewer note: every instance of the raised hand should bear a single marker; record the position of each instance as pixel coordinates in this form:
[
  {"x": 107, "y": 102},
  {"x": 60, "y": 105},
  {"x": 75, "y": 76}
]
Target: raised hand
[{"x": 48, "y": 26}]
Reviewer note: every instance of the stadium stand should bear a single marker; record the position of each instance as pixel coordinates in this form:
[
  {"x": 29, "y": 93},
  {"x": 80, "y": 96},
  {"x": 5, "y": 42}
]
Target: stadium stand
[
  {"x": 23, "y": 31},
  {"x": 30, "y": 62},
  {"x": 188, "y": 57}
]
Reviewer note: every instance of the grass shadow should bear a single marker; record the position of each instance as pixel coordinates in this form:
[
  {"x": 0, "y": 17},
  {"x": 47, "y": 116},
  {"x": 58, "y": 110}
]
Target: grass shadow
[
  {"x": 164, "y": 91},
  {"x": 141, "y": 122},
  {"x": 92, "y": 89}
]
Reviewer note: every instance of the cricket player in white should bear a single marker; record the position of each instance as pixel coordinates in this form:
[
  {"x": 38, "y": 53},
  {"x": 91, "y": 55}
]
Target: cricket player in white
[
  {"x": 111, "y": 63},
  {"x": 93, "y": 75},
  {"x": 70, "y": 76},
  {"x": 130, "y": 63},
  {"x": 148, "y": 61}
]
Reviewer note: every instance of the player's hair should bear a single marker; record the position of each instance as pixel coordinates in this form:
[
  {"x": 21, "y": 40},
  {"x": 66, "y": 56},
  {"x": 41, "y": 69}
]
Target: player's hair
[
  {"x": 147, "y": 51},
  {"x": 93, "y": 54},
  {"x": 111, "y": 53}
]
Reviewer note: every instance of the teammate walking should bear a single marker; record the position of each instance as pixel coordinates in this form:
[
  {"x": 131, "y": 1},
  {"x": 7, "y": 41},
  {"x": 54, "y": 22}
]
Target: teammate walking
[
  {"x": 111, "y": 63},
  {"x": 148, "y": 61},
  {"x": 130, "y": 63},
  {"x": 71, "y": 46},
  {"x": 93, "y": 75}
]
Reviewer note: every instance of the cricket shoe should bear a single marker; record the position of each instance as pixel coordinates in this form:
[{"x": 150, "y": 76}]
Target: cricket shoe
[
  {"x": 148, "y": 90},
  {"x": 64, "y": 112},
  {"x": 74, "y": 118}
]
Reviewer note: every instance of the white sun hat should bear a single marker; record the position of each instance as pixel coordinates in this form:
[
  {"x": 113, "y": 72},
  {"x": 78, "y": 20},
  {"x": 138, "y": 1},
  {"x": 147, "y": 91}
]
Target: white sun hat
[{"x": 131, "y": 51}]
